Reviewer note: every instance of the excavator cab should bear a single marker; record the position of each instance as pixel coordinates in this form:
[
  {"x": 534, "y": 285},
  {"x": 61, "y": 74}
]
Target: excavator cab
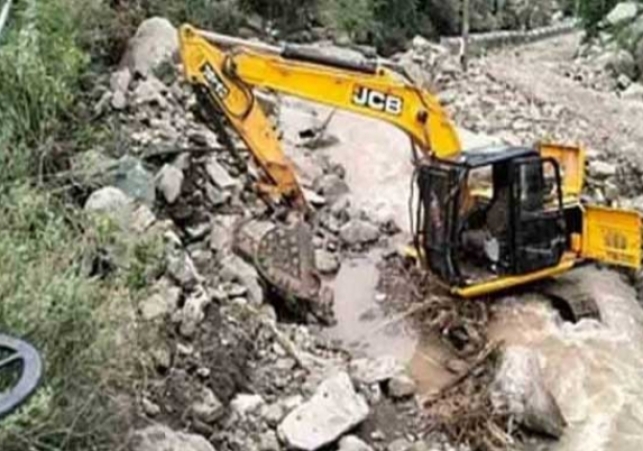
[{"x": 492, "y": 217}]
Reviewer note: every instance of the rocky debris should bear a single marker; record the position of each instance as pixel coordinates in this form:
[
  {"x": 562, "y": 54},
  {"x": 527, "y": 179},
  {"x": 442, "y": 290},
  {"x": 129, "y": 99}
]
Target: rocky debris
[
  {"x": 169, "y": 182},
  {"x": 401, "y": 386},
  {"x": 353, "y": 443},
  {"x": 620, "y": 62},
  {"x": 372, "y": 371},
  {"x": 622, "y": 13},
  {"x": 359, "y": 232},
  {"x": 158, "y": 437},
  {"x": 235, "y": 269},
  {"x": 602, "y": 170},
  {"x": 156, "y": 42},
  {"x": 334, "y": 409},
  {"x": 401, "y": 444},
  {"x": 243, "y": 404},
  {"x": 633, "y": 92},
  {"x": 150, "y": 91},
  {"x": 520, "y": 390}
]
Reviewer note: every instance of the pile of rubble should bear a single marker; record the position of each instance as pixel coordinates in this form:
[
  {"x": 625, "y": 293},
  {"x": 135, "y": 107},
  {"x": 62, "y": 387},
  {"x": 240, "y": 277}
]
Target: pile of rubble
[{"x": 613, "y": 60}]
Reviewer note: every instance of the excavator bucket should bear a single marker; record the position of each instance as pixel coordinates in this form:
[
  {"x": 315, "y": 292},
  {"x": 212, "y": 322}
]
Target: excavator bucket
[{"x": 284, "y": 256}]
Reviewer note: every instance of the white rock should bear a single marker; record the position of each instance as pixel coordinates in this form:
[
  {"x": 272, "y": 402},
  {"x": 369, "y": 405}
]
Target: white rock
[
  {"x": 268, "y": 441},
  {"x": 623, "y": 12},
  {"x": 151, "y": 91},
  {"x": 181, "y": 267},
  {"x": 401, "y": 444},
  {"x": 334, "y": 409},
  {"x": 158, "y": 437},
  {"x": 142, "y": 219},
  {"x": 112, "y": 202},
  {"x": 371, "y": 371},
  {"x": 119, "y": 101},
  {"x": 219, "y": 175},
  {"x": 169, "y": 182},
  {"x": 331, "y": 186},
  {"x": 244, "y": 404},
  {"x": 162, "y": 302},
  {"x": 156, "y": 41},
  {"x": 519, "y": 389},
  {"x": 634, "y": 92},
  {"x": 358, "y": 231},
  {"x": 353, "y": 443},
  {"x": 235, "y": 269},
  {"x": 401, "y": 386},
  {"x": 602, "y": 169},
  {"x": 120, "y": 80},
  {"x": 326, "y": 262},
  {"x": 193, "y": 311}
]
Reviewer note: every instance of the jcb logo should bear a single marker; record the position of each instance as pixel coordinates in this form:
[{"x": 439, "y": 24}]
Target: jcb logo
[
  {"x": 378, "y": 101},
  {"x": 216, "y": 84}
]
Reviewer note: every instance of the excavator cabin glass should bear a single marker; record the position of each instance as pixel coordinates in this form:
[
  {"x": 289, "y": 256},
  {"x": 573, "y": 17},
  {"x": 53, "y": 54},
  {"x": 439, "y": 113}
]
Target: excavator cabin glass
[{"x": 491, "y": 213}]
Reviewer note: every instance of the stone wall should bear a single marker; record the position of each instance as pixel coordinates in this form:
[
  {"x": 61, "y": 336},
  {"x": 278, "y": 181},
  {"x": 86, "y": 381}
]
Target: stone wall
[{"x": 480, "y": 42}]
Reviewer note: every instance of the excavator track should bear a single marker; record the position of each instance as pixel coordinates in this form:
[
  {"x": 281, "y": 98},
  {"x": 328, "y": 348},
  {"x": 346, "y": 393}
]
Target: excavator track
[{"x": 571, "y": 298}]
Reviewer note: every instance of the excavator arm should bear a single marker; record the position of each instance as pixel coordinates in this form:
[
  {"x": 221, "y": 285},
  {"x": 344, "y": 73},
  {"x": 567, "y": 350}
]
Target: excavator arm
[{"x": 226, "y": 70}]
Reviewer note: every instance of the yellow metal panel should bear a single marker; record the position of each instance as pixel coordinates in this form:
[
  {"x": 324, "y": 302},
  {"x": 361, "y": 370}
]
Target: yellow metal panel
[
  {"x": 612, "y": 236},
  {"x": 506, "y": 282},
  {"x": 572, "y": 166}
]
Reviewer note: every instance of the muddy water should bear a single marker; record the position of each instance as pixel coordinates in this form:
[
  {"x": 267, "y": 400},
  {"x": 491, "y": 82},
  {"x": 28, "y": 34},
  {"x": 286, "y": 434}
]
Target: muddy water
[{"x": 595, "y": 370}]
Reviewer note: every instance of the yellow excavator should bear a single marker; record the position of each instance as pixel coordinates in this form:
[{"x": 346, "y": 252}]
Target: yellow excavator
[{"x": 488, "y": 219}]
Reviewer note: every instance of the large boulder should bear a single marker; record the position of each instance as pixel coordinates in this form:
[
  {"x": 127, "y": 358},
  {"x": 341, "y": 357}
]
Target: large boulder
[
  {"x": 158, "y": 437},
  {"x": 519, "y": 389},
  {"x": 156, "y": 42},
  {"x": 334, "y": 409},
  {"x": 622, "y": 13}
]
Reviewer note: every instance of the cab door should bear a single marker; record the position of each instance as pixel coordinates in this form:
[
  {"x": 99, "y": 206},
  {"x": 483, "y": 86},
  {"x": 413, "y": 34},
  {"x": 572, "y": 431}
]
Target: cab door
[
  {"x": 537, "y": 218},
  {"x": 439, "y": 193}
]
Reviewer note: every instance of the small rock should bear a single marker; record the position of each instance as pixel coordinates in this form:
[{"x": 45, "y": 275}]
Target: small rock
[
  {"x": 353, "y": 443},
  {"x": 162, "y": 302},
  {"x": 372, "y": 371},
  {"x": 221, "y": 234},
  {"x": 358, "y": 231},
  {"x": 243, "y": 404},
  {"x": 634, "y": 92},
  {"x": 180, "y": 266},
  {"x": 620, "y": 62},
  {"x": 208, "y": 408},
  {"x": 142, "y": 219},
  {"x": 118, "y": 101},
  {"x": 120, "y": 80},
  {"x": 602, "y": 170},
  {"x": 235, "y": 269},
  {"x": 151, "y": 409},
  {"x": 219, "y": 175},
  {"x": 158, "y": 437},
  {"x": 268, "y": 441},
  {"x": 273, "y": 414},
  {"x": 401, "y": 444},
  {"x": 331, "y": 186},
  {"x": 193, "y": 312},
  {"x": 326, "y": 262},
  {"x": 150, "y": 91},
  {"x": 334, "y": 409},
  {"x": 623, "y": 82},
  {"x": 162, "y": 357},
  {"x": 169, "y": 181},
  {"x": 401, "y": 386}
]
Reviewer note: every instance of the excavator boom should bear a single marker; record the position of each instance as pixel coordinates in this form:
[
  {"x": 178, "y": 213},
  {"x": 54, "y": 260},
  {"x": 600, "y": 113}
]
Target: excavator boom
[{"x": 227, "y": 78}]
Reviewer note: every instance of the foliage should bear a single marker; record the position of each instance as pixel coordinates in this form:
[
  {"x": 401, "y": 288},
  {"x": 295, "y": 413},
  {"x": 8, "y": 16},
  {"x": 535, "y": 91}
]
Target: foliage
[
  {"x": 287, "y": 15},
  {"x": 76, "y": 318},
  {"x": 592, "y": 12}
]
